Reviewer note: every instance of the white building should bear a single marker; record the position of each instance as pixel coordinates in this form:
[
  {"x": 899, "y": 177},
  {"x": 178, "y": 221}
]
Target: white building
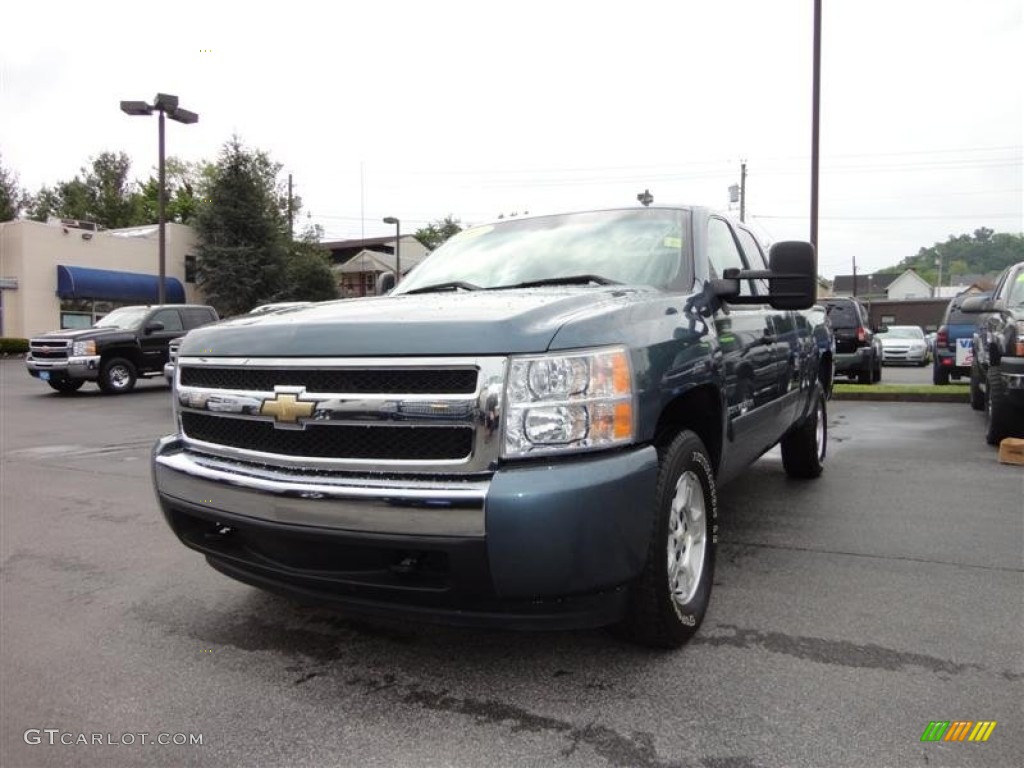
[{"x": 59, "y": 275}]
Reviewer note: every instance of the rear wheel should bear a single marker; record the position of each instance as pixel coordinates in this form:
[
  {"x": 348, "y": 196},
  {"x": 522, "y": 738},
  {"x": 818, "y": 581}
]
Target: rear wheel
[
  {"x": 940, "y": 376},
  {"x": 117, "y": 376},
  {"x": 977, "y": 396},
  {"x": 867, "y": 373},
  {"x": 877, "y": 375},
  {"x": 668, "y": 602},
  {"x": 1002, "y": 419},
  {"x": 66, "y": 386},
  {"x": 803, "y": 449}
]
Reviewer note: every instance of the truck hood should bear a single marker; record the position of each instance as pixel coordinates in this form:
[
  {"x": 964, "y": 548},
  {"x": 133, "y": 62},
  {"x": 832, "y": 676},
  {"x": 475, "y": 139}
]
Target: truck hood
[
  {"x": 451, "y": 323},
  {"x": 84, "y": 333}
]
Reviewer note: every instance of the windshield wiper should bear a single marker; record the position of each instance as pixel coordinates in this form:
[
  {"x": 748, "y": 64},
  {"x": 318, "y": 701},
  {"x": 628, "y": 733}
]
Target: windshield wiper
[
  {"x": 452, "y": 285},
  {"x": 568, "y": 280}
]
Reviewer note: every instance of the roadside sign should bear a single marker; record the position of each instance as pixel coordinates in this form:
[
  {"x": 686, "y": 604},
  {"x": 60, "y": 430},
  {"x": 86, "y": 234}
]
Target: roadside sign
[{"x": 964, "y": 354}]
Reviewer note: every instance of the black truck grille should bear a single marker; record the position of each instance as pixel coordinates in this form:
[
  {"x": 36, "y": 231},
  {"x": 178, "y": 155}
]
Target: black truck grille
[
  {"x": 348, "y": 381},
  {"x": 332, "y": 441},
  {"x": 49, "y": 350}
]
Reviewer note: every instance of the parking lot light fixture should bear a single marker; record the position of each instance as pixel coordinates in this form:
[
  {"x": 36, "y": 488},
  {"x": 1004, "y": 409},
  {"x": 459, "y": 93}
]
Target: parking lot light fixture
[
  {"x": 164, "y": 104},
  {"x": 398, "y": 246}
]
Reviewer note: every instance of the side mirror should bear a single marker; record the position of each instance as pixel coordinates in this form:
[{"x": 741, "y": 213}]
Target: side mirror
[
  {"x": 882, "y": 329},
  {"x": 151, "y": 327},
  {"x": 385, "y": 283},
  {"x": 976, "y": 304},
  {"x": 793, "y": 283}
]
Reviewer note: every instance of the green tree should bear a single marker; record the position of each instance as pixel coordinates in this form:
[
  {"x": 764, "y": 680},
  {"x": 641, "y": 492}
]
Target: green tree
[
  {"x": 186, "y": 185},
  {"x": 982, "y": 252},
  {"x": 102, "y": 193},
  {"x": 308, "y": 274},
  {"x": 13, "y": 199},
  {"x": 243, "y": 244},
  {"x": 436, "y": 232}
]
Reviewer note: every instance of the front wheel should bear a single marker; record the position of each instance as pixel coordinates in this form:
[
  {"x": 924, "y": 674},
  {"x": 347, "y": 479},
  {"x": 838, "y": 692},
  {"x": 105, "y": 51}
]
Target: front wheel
[
  {"x": 803, "y": 449},
  {"x": 117, "y": 376},
  {"x": 66, "y": 386},
  {"x": 1001, "y": 418},
  {"x": 668, "y": 602}
]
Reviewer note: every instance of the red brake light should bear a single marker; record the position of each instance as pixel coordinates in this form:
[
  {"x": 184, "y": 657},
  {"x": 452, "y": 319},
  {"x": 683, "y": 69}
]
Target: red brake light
[{"x": 860, "y": 334}]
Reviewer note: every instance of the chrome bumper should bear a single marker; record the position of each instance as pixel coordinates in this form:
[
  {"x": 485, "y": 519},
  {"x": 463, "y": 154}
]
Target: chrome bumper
[
  {"x": 327, "y": 500},
  {"x": 85, "y": 367}
]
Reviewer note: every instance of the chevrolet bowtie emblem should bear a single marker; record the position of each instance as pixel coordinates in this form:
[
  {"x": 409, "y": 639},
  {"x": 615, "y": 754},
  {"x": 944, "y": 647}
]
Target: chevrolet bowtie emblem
[{"x": 286, "y": 409}]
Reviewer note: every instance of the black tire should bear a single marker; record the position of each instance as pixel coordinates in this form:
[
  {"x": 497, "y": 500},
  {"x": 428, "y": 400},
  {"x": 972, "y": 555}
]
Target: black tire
[
  {"x": 117, "y": 376},
  {"x": 940, "y": 376},
  {"x": 66, "y": 386},
  {"x": 1001, "y": 418},
  {"x": 866, "y": 373},
  {"x": 977, "y": 396},
  {"x": 803, "y": 449},
  {"x": 654, "y": 616},
  {"x": 826, "y": 375},
  {"x": 877, "y": 375}
]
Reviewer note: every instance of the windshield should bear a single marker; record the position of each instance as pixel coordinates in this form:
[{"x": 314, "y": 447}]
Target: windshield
[
  {"x": 125, "y": 317},
  {"x": 1016, "y": 298},
  {"x": 903, "y": 332},
  {"x": 638, "y": 246},
  {"x": 843, "y": 315}
]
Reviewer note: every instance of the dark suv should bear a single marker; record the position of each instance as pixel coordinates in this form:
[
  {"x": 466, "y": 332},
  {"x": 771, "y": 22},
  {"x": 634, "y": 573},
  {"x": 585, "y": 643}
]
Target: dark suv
[
  {"x": 952, "y": 358},
  {"x": 858, "y": 350},
  {"x": 127, "y": 343},
  {"x": 997, "y": 369}
]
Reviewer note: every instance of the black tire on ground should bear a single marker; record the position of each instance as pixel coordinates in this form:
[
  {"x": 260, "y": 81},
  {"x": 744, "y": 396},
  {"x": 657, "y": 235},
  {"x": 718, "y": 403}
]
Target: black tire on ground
[
  {"x": 866, "y": 374},
  {"x": 66, "y": 386},
  {"x": 940, "y": 376},
  {"x": 803, "y": 449},
  {"x": 826, "y": 375},
  {"x": 977, "y": 396},
  {"x": 1001, "y": 418},
  {"x": 877, "y": 375},
  {"x": 666, "y": 606},
  {"x": 117, "y": 376}
]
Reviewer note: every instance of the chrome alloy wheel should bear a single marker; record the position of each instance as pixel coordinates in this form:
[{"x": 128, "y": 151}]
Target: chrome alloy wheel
[
  {"x": 687, "y": 535},
  {"x": 119, "y": 376},
  {"x": 819, "y": 429}
]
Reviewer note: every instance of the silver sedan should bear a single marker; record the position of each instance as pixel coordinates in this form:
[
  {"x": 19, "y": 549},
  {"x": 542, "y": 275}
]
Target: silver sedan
[{"x": 904, "y": 344}]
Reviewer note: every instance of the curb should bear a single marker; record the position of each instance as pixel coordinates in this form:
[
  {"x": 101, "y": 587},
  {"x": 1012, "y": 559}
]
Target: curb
[{"x": 896, "y": 397}]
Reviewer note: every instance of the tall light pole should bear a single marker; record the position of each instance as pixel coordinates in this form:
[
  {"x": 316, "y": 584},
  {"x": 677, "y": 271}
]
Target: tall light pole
[
  {"x": 398, "y": 246},
  {"x": 815, "y": 122},
  {"x": 165, "y": 104}
]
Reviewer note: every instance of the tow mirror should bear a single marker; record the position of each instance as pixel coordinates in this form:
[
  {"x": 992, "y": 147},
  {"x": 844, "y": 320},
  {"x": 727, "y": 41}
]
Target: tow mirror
[
  {"x": 152, "y": 327},
  {"x": 385, "y": 283}
]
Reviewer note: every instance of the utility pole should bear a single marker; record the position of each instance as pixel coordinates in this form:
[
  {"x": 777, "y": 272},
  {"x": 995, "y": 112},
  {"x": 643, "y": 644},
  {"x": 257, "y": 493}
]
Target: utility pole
[
  {"x": 855, "y": 277},
  {"x": 815, "y": 121},
  {"x": 743, "y": 190},
  {"x": 291, "y": 227}
]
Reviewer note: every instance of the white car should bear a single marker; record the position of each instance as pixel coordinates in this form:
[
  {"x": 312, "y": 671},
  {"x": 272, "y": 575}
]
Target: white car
[{"x": 904, "y": 344}]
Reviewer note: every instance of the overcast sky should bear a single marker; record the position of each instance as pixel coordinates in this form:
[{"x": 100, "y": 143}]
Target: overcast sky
[{"x": 423, "y": 109}]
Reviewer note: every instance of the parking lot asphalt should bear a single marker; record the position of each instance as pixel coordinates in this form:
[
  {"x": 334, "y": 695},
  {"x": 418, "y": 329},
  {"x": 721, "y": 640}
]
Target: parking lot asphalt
[{"x": 847, "y": 614}]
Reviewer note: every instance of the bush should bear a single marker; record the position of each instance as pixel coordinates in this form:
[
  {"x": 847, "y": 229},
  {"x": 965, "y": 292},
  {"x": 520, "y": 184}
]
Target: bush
[{"x": 13, "y": 346}]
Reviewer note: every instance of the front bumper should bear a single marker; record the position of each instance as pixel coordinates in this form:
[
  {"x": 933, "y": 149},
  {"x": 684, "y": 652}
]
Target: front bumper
[
  {"x": 169, "y": 372},
  {"x": 1011, "y": 369},
  {"x": 547, "y": 544},
  {"x": 918, "y": 356},
  {"x": 85, "y": 367}
]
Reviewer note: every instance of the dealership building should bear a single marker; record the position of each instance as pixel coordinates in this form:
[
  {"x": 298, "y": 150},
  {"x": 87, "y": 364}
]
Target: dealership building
[{"x": 68, "y": 274}]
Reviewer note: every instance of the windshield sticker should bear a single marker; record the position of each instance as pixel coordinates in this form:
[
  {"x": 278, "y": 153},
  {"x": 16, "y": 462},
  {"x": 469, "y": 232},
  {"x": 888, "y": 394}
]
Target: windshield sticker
[{"x": 673, "y": 242}]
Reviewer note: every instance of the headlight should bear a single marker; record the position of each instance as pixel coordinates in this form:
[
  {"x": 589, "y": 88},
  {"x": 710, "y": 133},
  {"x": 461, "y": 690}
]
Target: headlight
[
  {"x": 568, "y": 402},
  {"x": 81, "y": 348}
]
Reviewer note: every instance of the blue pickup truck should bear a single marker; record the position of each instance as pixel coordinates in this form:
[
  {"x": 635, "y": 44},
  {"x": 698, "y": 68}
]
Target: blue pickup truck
[{"x": 529, "y": 431}]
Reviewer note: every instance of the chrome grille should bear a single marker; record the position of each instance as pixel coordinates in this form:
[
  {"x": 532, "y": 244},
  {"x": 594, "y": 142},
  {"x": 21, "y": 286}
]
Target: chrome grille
[
  {"x": 49, "y": 349},
  {"x": 324, "y": 441},
  {"x": 417, "y": 415},
  {"x": 352, "y": 381}
]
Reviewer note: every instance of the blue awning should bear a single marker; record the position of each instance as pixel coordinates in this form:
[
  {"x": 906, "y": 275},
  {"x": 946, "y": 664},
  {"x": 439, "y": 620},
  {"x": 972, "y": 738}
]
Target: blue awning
[{"x": 109, "y": 285}]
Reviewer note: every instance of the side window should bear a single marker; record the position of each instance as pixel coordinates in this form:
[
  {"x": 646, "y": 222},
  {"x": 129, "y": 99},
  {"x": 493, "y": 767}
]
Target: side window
[
  {"x": 723, "y": 253},
  {"x": 170, "y": 319},
  {"x": 196, "y": 317},
  {"x": 755, "y": 257}
]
